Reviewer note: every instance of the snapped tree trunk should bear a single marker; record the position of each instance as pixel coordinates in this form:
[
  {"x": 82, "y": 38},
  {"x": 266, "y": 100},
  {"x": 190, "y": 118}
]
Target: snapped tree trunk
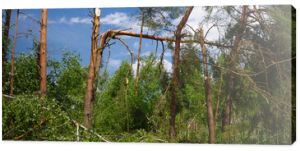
[
  {"x": 227, "y": 113},
  {"x": 89, "y": 96},
  {"x": 139, "y": 55},
  {"x": 11, "y": 75},
  {"x": 208, "y": 95},
  {"x": 5, "y": 42},
  {"x": 43, "y": 52},
  {"x": 175, "y": 74}
]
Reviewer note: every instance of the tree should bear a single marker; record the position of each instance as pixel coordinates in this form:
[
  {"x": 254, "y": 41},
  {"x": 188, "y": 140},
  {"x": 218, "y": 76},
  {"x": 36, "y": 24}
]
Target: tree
[
  {"x": 89, "y": 97},
  {"x": 139, "y": 52},
  {"x": 43, "y": 53},
  {"x": 13, "y": 56},
  {"x": 208, "y": 93},
  {"x": 175, "y": 74},
  {"x": 232, "y": 63},
  {"x": 5, "y": 42}
]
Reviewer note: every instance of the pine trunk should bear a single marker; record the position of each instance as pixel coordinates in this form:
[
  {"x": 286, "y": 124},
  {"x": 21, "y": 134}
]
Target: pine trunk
[
  {"x": 233, "y": 61},
  {"x": 139, "y": 55},
  {"x": 5, "y": 43},
  {"x": 43, "y": 53},
  {"x": 89, "y": 97},
  {"x": 175, "y": 74},
  {"x": 208, "y": 95},
  {"x": 11, "y": 75}
]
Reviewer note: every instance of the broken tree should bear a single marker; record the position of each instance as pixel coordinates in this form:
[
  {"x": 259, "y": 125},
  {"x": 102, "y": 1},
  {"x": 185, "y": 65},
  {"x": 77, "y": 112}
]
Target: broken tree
[
  {"x": 89, "y": 97},
  {"x": 208, "y": 95},
  {"x": 175, "y": 73}
]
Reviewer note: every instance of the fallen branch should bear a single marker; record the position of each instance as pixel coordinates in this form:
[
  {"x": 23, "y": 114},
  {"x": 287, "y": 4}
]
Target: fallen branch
[
  {"x": 91, "y": 131},
  {"x": 8, "y": 96}
]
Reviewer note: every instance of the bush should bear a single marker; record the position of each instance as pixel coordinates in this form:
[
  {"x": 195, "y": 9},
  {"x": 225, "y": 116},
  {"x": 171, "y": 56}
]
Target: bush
[{"x": 25, "y": 117}]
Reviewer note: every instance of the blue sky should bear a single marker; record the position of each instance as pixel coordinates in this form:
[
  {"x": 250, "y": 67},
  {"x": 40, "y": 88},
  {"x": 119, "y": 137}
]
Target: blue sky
[{"x": 70, "y": 30}]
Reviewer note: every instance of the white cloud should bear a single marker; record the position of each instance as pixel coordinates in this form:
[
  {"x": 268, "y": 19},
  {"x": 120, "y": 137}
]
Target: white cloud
[
  {"x": 123, "y": 21},
  {"x": 72, "y": 20},
  {"x": 116, "y": 18},
  {"x": 119, "y": 20},
  {"x": 79, "y": 20}
]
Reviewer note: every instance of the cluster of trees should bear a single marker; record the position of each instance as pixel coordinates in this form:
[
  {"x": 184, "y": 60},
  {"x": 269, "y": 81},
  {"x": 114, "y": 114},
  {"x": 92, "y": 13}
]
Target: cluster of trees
[{"x": 238, "y": 89}]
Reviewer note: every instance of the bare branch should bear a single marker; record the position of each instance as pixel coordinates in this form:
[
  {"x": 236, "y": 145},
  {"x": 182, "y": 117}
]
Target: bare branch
[{"x": 128, "y": 49}]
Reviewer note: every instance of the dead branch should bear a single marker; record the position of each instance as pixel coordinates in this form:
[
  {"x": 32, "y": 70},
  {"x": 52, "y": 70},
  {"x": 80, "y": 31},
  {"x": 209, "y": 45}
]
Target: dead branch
[
  {"x": 128, "y": 49},
  {"x": 91, "y": 131},
  {"x": 161, "y": 56}
]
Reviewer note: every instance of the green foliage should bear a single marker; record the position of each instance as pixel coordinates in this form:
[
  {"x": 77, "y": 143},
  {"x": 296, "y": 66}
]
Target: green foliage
[
  {"x": 112, "y": 109},
  {"x": 119, "y": 109},
  {"x": 26, "y": 75},
  {"x": 69, "y": 82},
  {"x": 27, "y": 118}
]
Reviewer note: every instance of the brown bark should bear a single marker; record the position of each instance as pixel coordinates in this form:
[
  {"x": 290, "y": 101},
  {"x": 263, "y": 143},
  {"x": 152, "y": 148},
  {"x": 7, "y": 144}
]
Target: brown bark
[
  {"x": 208, "y": 95},
  {"x": 43, "y": 52},
  {"x": 218, "y": 97},
  {"x": 139, "y": 55},
  {"x": 89, "y": 97},
  {"x": 161, "y": 57},
  {"x": 233, "y": 60},
  {"x": 175, "y": 74},
  {"x": 5, "y": 42},
  {"x": 11, "y": 75}
]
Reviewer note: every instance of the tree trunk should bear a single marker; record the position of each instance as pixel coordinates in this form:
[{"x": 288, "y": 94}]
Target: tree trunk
[
  {"x": 5, "y": 42},
  {"x": 175, "y": 74},
  {"x": 88, "y": 102},
  {"x": 43, "y": 52},
  {"x": 11, "y": 75},
  {"x": 208, "y": 95},
  {"x": 139, "y": 55},
  {"x": 233, "y": 60},
  {"x": 228, "y": 104}
]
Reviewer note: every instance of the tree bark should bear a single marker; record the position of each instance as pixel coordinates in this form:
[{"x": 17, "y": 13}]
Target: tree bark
[
  {"x": 43, "y": 52},
  {"x": 139, "y": 55},
  {"x": 11, "y": 75},
  {"x": 208, "y": 95},
  {"x": 233, "y": 60},
  {"x": 5, "y": 42},
  {"x": 175, "y": 74},
  {"x": 89, "y": 97}
]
